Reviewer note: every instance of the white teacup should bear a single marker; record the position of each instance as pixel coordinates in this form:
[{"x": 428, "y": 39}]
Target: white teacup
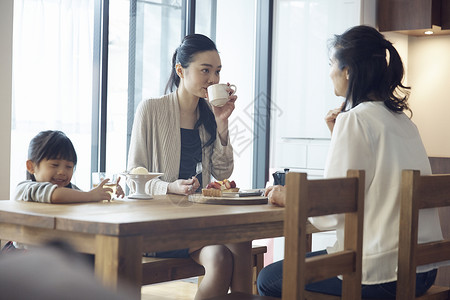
[{"x": 218, "y": 95}]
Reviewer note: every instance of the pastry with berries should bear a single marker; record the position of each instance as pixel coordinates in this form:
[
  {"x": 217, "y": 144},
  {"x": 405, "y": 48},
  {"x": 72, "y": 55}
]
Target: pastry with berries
[{"x": 216, "y": 188}]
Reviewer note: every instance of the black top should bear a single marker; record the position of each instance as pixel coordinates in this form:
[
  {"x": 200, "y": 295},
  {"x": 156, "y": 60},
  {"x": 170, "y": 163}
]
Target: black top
[{"x": 191, "y": 153}]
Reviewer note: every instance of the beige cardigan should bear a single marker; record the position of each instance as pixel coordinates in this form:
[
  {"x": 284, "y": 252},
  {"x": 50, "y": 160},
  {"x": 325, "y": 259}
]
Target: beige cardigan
[{"x": 156, "y": 144}]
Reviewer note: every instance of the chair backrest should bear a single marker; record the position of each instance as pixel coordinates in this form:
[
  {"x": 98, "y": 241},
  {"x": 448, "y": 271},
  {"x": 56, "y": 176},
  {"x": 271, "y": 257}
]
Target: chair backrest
[
  {"x": 310, "y": 198},
  {"x": 419, "y": 192}
]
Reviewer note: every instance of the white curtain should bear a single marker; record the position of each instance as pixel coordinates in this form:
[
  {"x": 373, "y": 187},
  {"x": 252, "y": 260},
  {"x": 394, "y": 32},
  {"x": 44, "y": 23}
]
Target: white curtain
[{"x": 52, "y": 78}]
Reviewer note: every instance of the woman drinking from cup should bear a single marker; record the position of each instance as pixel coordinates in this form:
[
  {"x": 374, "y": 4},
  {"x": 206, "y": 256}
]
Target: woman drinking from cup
[{"x": 172, "y": 134}]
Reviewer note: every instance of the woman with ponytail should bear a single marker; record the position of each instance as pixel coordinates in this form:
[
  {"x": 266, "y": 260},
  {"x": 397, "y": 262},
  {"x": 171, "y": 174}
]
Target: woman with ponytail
[
  {"x": 173, "y": 133},
  {"x": 370, "y": 132}
]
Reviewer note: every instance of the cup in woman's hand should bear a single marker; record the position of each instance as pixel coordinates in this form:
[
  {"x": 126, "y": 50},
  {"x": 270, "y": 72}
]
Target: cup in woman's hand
[{"x": 218, "y": 94}]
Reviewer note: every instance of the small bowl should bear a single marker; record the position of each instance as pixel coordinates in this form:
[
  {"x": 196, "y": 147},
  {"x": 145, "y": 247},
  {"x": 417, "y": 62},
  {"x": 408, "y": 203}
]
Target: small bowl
[{"x": 140, "y": 180}]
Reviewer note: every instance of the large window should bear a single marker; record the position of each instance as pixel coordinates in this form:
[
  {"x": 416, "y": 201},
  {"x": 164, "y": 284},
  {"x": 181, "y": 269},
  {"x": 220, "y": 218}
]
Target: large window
[
  {"x": 142, "y": 38},
  {"x": 52, "y": 78},
  {"x": 57, "y": 64},
  {"x": 232, "y": 24},
  {"x": 140, "y": 54}
]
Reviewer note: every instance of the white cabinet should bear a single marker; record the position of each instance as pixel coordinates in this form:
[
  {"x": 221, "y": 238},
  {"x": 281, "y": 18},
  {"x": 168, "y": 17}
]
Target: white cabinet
[
  {"x": 302, "y": 92},
  {"x": 298, "y": 153}
]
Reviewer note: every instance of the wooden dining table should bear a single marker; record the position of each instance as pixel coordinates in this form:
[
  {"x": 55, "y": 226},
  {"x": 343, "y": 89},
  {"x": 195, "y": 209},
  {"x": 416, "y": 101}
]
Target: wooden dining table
[{"x": 119, "y": 231}]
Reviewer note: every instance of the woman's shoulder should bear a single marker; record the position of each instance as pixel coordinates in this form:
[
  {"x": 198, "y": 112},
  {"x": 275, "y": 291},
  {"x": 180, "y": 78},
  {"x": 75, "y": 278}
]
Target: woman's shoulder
[
  {"x": 367, "y": 106},
  {"x": 358, "y": 116},
  {"x": 368, "y": 109},
  {"x": 377, "y": 111},
  {"x": 158, "y": 103},
  {"x": 376, "y": 117}
]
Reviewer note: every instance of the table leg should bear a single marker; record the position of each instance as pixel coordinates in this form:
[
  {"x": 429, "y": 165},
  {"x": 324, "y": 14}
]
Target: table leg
[{"x": 118, "y": 263}]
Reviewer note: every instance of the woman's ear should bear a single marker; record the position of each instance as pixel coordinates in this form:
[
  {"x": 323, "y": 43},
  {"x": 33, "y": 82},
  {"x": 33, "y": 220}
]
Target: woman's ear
[
  {"x": 347, "y": 75},
  {"x": 179, "y": 70},
  {"x": 30, "y": 166}
]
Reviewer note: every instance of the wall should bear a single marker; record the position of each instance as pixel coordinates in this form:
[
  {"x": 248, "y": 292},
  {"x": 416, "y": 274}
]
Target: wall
[
  {"x": 6, "y": 29},
  {"x": 429, "y": 73},
  {"x": 427, "y": 63}
]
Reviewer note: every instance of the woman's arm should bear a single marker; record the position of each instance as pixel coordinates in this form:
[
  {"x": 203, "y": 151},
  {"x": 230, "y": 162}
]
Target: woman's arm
[
  {"x": 350, "y": 148},
  {"x": 222, "y": 114},
  {"x": 276, "y": 195},
  {"x": 138, "y": 154},
  {"x": 138, "y": 150},
  {"x": 219, "y": 159}
]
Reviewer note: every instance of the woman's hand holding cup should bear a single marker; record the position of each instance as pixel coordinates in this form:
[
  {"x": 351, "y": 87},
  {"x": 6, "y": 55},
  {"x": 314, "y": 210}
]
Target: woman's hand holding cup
[
  {"x": 222, "y": 97},
  {"x": 219, "y": 94}
]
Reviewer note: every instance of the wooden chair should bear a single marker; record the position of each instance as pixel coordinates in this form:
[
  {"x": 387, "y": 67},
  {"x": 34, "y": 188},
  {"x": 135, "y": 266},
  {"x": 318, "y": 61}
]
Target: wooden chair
[
  {"x": 155, "y": 270},
  {"x": 441, "y": 165},
  {"x": 311, "y": 198},
  {"x": 420, "y": 192}
]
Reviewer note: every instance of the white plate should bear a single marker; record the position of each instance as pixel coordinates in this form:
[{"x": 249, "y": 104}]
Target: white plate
[
  {"x": 199, "y": 198},
  {"x": 245, "y": 193}
]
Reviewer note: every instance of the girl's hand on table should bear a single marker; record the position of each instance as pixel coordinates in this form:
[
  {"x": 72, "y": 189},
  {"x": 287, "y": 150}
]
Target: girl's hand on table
[
  {"x": 101, "y": 192},
  {"x": 119, "y": 191},
  {"x": 276, "y": 195},
  {"x": 183, "y": 186}
]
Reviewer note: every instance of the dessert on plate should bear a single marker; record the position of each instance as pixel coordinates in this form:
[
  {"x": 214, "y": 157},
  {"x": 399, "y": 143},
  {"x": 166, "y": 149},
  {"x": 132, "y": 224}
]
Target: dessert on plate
[
  {"x": 216, "y": 188},
  {"x": 139, "y": 170}
]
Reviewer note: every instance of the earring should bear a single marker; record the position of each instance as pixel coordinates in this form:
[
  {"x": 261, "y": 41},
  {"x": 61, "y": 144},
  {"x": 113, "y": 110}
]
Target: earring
[{"x": 178, "y": 70}]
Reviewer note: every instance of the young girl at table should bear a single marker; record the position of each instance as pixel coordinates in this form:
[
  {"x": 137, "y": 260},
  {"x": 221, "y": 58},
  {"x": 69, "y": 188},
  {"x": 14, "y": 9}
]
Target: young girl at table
[
  {"x": 51, "y": 162},
  {"x": 172, "y": 134},
  {"x": 50, "y": 166}
]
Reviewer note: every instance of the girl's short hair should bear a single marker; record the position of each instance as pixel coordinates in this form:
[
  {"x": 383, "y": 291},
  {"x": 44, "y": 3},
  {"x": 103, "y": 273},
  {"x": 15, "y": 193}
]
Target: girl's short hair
[{"x": 51, "y": 145}]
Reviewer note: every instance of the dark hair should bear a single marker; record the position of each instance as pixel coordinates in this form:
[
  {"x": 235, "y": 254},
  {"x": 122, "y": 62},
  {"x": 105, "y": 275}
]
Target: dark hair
[
  {"x": 183, "y": 55},
  {"x": 50, "y": 145},
  {"x": 363, "y": 50}
]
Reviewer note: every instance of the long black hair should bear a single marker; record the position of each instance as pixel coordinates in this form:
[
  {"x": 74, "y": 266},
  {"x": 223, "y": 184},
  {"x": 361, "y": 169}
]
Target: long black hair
[
  {"x": 372, "y": 75},
  {"x": 183, "y": 55},
  {"x": 50, "y": 145}
]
